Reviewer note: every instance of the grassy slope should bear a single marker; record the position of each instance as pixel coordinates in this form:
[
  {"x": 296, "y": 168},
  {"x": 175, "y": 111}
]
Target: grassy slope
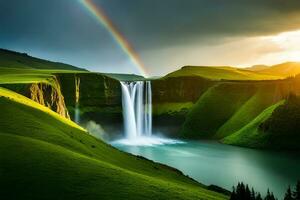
[
  {"x": 214, "y": 108},
  {"x": 20, "y": 68},
  {"x": 44, "y": 156},
  {"x": 250, "y": 135},
  {"x": 11, "y": 59},
  {"x": 264, "y": 97},
  {"x": 15, "y": 75},
  {"x": 218, "y": 73}
]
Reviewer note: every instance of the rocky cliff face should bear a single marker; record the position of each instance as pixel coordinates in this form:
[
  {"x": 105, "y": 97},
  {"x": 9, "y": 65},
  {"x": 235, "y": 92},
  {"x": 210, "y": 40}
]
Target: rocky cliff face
[
  {"x": 179, "y": 89},
  {"x": 172, "y": 99},
  {"x": 90, "y": 90},
  {"x": 46, "y": 94},
  {"x": 97, "y": 97},
  {"x": 50, "y": 96}
]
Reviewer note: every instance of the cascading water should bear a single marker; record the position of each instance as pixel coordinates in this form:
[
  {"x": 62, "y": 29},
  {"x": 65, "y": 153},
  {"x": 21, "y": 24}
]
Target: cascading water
[
  {"x": 137, "y": 115},
  {"x": 77, "y": 96},
  {"x": 137, "y": 109}
]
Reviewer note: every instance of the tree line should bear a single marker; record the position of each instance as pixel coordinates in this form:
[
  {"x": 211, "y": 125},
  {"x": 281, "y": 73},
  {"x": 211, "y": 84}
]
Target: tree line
[{"x": 243, "y": 192}]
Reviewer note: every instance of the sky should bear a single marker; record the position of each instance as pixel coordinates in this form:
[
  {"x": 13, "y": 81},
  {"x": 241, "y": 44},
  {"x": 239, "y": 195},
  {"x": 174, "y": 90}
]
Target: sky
[{"x": 163, "y": 35}]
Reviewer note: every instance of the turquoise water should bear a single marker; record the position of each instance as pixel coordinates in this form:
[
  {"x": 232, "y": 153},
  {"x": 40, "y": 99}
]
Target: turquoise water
[{"x": 223, "y": 165}]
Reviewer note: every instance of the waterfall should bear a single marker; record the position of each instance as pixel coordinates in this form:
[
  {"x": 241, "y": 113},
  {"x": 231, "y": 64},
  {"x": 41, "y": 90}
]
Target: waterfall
[
  {"x": 77, "y": 96},
  {"x": 137, "y": 108},
  {"x": 137, "y": 116}
]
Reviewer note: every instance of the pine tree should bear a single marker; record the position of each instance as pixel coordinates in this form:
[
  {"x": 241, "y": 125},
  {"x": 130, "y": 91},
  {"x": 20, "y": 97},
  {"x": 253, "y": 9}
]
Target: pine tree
[
  {"x": 297, "y": 191},
  {"x": 258, "y": 197},
  {"x": 240, "y": 191},
  {"x": 252, "y": 195},
  {"x": 247, "y": 193},
  {"x": 233, "y": 194},
  {"x": 288, "y": 195},
  {"x": 270, "y": 196}
]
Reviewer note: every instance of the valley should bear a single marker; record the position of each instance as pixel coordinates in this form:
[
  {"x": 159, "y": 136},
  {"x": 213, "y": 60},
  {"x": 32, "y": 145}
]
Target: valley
[{"x": 40, "y": 101}]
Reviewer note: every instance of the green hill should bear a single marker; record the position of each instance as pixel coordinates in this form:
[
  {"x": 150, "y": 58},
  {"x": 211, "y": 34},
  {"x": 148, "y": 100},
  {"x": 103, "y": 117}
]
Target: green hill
[
  {"x": 214, "y": 108},
  {"x": 44, "y": 156},
  {"x": 257, "y": 67},
  {"x": 251, "y": 135},
  {"x": 264, "y": 96},
  {"x": 221, "y": 73},
  {"x": 258, "y": 72},
  {"x": 229, "y": 106},
  {"x": 284, "y": 69},
  {"x": 21, "y": 68},
  {"x": 12, "y": 59}
]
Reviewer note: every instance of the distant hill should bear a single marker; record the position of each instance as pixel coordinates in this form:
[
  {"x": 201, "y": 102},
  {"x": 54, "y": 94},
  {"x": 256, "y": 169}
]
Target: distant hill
[
  {"x": 12, "y": 59},
  {"x": 283, "y": 69},
  {"x": 257, "y": 67},
  {"x": 221, "y": 73}
]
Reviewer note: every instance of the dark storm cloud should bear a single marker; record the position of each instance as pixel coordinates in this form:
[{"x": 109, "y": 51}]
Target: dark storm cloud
[
  {"x": 158, "y": 22},
  {"x": 60, "y": 24},
  {"x": 148, "y": 22}
]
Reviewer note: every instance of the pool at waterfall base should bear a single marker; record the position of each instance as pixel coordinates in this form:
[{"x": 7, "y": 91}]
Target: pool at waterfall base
[{"x": 213, "y": 163}]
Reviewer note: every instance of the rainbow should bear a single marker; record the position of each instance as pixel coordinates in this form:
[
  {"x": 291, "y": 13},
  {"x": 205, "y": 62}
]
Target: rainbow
[{"x": 104, "y": 20}]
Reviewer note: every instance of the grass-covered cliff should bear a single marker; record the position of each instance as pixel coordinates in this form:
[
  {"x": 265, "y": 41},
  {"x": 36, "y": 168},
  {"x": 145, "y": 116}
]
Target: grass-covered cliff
[
  {"x": 277, "y": 127},
  {"x": 223, "y": 105}
]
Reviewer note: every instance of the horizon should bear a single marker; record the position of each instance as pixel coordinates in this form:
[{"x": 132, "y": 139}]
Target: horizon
[{"x": 175, "y": 69}]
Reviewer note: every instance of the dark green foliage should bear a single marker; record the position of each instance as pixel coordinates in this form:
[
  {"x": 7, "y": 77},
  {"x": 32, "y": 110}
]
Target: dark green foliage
[
  {"x": 296, "y": 193},
  {"x": 283, "y": 126},
  {"x": 288, "y": 195},
  {"x": 270, "y": 196},
  {"x": 242, "y": 192},
  {"x": 233, "y": 194},
  {"x": 285, "y": 118},
  {"x": 252, "y": 195},
  {"x": 258, "y": 196}
]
